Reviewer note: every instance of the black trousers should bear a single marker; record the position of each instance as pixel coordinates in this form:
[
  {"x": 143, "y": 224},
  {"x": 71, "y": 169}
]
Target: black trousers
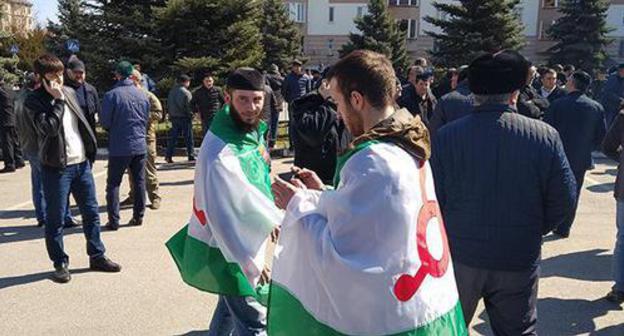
[
  {"x": 11, "y": 151},
  {"x": 510, "y": 298}
]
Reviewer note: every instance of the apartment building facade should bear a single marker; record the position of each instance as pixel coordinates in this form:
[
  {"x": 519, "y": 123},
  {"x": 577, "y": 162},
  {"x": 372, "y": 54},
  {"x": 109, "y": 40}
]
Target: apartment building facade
[
  {"x": 17, "y": 16},
  {"x": 326, "y": 25}
]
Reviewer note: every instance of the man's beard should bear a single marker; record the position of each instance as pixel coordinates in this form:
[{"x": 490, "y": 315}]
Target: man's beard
[
  {"x": 241, "y": 124},
  {"x": 353, "y": 121}
]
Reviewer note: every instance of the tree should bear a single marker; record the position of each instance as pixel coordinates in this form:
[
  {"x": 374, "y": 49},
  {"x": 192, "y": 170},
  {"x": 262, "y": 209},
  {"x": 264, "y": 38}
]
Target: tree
[
  {"x": 73, "y": 23},
  {"x": 470, "y": 27},
  {"x": 280, "y": 36},
  {"x": 380, "y": 33},
  {"x": 581, "y": 34},
  {"x": 224, "y": 33},
  {"x": 31, "y": 45}
]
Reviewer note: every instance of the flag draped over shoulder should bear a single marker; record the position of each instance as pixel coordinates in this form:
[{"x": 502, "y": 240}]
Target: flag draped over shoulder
[
  {"x": 369, "y": 258},
  {"x": 221, "y": 249}
]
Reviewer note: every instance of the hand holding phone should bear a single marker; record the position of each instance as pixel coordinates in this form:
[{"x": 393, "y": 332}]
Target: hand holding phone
[{"x": 54, "y": 89}]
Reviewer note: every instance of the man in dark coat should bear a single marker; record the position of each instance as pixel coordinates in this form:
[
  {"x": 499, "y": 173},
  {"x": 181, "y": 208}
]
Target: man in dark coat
[
  {"x": 206, "y": 101},
  {"x": 276, "y": 81},
  {"x": 530, "y": 103},
  {"x": 417, "y": 97},
  {"x": 612, "y": 96},
  {"x": 452, "y": 106},
  {"x": 86, "y": 93},
  {"x": 11, "y": 150},
  {"x": 502, "y": 181},
  {"x": 578, "y": 119},
  {"x": 549, "y": 89}
]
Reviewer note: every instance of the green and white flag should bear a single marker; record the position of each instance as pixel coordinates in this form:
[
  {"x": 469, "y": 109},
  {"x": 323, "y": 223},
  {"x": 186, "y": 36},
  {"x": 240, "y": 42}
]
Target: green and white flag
[
  {"x": 221, "y": 249},
  {"x": 369, "y": 258}
]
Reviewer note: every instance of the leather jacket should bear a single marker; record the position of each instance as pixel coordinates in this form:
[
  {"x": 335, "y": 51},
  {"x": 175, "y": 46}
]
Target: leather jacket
[{"x": 48, "y": 120}]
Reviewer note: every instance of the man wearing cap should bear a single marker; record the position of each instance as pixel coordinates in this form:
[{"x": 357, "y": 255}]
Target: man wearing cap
[
  {"x": 579, "y": 121},
  {"x": 417, "y": 97},
  {"x": 206, "y": 101},
  {"x": 181, "y": 115},
  {"x": 86, "y": 93},
  {"x": 503, "y": 181},
  {"x": 612, "y": 97},
  {"x": 125, "y": 114}
]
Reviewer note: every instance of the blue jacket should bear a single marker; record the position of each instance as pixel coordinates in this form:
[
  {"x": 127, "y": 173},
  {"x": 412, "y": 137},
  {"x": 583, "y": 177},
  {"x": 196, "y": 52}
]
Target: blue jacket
[
  {"x": 502, "y": 181},
  {"x": 612, "y": 97},
  {"x": 452, "y": 106},
  {"x": 580, "y": 123},
  {"x": 125, "y": 112},
  {"x": 295, "y": 86}
]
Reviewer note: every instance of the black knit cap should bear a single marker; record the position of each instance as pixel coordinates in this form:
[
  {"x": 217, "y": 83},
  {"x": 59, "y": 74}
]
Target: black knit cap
[
  {"x": 499, "y": 73},
  {"x": 246, "y": 79}
]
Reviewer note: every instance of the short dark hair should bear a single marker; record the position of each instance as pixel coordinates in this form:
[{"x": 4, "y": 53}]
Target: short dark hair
[
  {"x": 582, "y": 80},
  {"x": 420, "y": 61},
  {"x": 47, "y": 63},
  {"x": 568, "y": 67},
  {"x": 549, "y": 71},
  {"x": 367, "y": 72}
]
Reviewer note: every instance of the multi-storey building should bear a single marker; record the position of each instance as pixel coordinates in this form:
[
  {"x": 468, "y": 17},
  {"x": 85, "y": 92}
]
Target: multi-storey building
[
  {"x": 326, "y": 25},
  {"x": 16, "y": 16}
]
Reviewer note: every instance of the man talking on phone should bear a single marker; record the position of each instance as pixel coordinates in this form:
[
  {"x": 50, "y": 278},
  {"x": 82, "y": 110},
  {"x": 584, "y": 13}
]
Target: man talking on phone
[{"x": 67, "y": 149}]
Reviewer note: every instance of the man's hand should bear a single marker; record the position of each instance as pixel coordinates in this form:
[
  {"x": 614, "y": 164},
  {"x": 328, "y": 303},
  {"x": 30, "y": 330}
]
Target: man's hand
[
  {"x": 275, "y": 234},
  {"x": 283, "y": 191},
  {"x": 309, "y": 178},
  {"x": 265, "y": 277},
  {"x": 54, "y": 89}
]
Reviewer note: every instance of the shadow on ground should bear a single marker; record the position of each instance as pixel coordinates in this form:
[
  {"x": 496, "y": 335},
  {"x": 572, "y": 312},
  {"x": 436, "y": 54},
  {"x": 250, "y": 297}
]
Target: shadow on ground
[
  {"x": 566, "y": 318},
  {"x": 177, "y": 183},
  {"x": 590, "y": 265},
  {"x": 35, "y": 277},
  {"x": 602, "y": 188},
  {"x": 195, "y": 333},
  {"x": 176, "y": 166}
]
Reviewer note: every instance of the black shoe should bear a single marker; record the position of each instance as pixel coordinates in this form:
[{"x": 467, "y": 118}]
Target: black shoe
[
  {"x": 135, "y": 222},
  {"x": 8, "y": 169},
  {"x": 168, "y": 160},
  {"x": 20, "y": 165},
  {"x": 61, "y": 274},
  {"x": 71, "y": 224},
  {"x": 41, "y": 224},
  {"x": 561, "y": 235},
  {"x": 128, "y": 202},
  {"x": 112, "y": 227},
  {"x": 103, "y": 264},
  {"x": 615, "y": 296},
  {"x": 191, "y": 159}
]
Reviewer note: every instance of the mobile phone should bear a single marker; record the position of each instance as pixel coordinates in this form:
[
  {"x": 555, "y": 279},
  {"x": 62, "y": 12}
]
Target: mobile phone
[{"x": 286, "y": 176}]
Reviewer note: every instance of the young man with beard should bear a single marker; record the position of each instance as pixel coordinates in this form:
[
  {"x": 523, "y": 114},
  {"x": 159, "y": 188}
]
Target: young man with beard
[
  {"x": 222, "y": 248},
  {"x": 86, "y": 93},
  {"x": 354, "y": 260}
]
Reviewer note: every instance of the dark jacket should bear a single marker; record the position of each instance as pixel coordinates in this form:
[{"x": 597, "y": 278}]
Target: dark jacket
[
  {"x": 125, "y": 113},
  {"x": 612, "y": 97},
  {"x": 612, "y": 147},
  {"x": 7, "y": 115},
  {"x": 25, "y": 124},
  {"x": 48, "y": 120},
  {"x": 179, "y": 102},
  {"x": 579, "y": 121},
  {"x": 557, "y": 93},
  {"x": 88, "y": 100},
  {"x": 269, "y": 109},
  {"x": 295, "y": 86},
  {"x": 276, "y": 81},
  {"x": 502, "y": 181},
  {"x": 531, "y": 104},
  {"x": 316, "y": 137},
  {"x": 452, "y": 106},
  {"x": 207, "y": 102},
  {"x": 416, "y": 105}
]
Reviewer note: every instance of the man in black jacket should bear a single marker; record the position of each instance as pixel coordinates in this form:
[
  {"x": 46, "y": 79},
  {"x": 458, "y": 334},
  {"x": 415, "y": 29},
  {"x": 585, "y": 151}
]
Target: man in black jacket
[
  {"x": 67, "y": 149},
  {"x": 417, "y": 97},
  {"x": 454, "y": 105},
  {"x": 579, "y": 121},
  {"x": 207, "y": 100},
  {"x": 502, "y": 181},
  {"x": 276, "y": 81},
  {"x": 549, "y": 89},
  {"x": 530, "y": 103},
  {"x": 11, "y": 151},
  {"x": 86, "y": 93}
]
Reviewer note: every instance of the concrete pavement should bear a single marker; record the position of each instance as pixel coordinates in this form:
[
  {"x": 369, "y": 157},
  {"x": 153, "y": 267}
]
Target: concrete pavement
[{"x": 149, "y": 298}]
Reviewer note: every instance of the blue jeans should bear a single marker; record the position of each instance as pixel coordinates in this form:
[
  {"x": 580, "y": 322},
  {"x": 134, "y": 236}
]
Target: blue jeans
[
  {"x": 618, "y": 251},
  {"x": 185, "y": 127},
  {"x": 117, "y": 166},
  {"x": 37, "y": 190},
  {"x": 57, "y": 184},
  {"x": 238, "y": 315}
]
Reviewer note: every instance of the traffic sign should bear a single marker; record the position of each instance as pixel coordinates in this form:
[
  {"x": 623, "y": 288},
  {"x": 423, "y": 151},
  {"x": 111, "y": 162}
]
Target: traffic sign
[
  {"x": 14, "y": 49},
  {"x": 72, "y": 45}
]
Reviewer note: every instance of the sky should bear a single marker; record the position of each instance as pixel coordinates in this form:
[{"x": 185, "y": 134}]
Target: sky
[{"x": 44, "y": 10}]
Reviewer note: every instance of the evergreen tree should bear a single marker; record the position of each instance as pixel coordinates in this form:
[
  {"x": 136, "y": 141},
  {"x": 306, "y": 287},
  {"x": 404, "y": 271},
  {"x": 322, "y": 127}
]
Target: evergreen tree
[
  {"x": 581, "y": 34},
  {"x": 280, "y": 36},
  {"x": 471, "y": 27},
  {"x": 73, "y": 23},
  {"x": 380, "y": 33},
  {"x": 224, "y": 34}
]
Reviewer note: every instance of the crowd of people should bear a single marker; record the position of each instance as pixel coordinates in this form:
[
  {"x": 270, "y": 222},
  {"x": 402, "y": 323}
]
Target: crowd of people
[{"x": 496, "y": 154}]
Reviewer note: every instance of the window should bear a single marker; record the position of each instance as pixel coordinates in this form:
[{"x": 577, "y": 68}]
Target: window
[
  {"x": 361, "y": 11},
  {"x": 543, "y": 29},
  {"x": 331, "y": 14},
  {"x": 413, "y": 3},
  {"x": 412, "y": 28},
  {"x": 550, "y": 3},
  {"x": 296, "y": 11},
  {"x": 518, "y": 12},
  {"x": 441, "y": 15}
]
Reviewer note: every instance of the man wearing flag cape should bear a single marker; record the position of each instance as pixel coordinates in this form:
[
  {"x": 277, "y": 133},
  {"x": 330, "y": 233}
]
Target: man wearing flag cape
[
  {"x": 222, "y": 248},
  {"x": 369, "y": 257}
]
